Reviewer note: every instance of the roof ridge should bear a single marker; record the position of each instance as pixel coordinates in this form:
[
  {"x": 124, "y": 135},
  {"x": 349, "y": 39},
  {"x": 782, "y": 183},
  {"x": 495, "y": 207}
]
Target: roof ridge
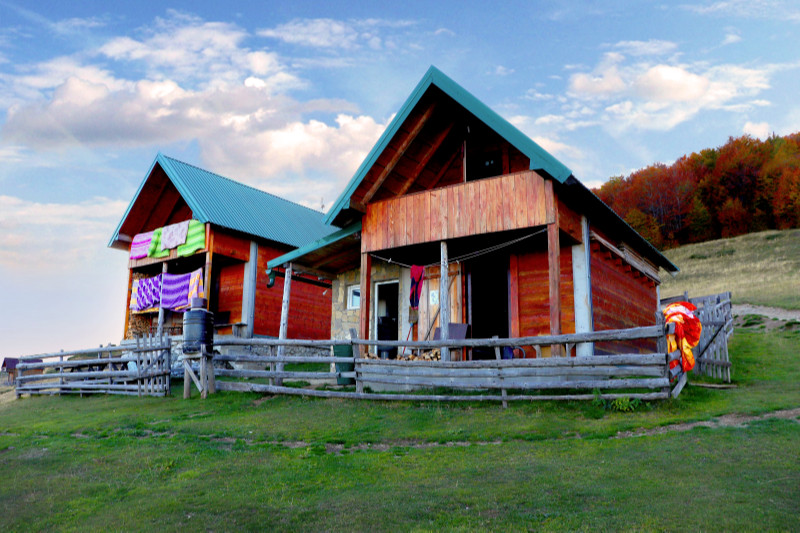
[{"x": 239, "y": 183}]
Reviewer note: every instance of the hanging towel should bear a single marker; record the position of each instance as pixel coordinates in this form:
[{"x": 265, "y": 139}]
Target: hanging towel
[
  {"x": 195, "y": 238},
  {"x": 175, "y": 291},
  {"x": 174, "y": 235},
  {"x": 155, "y": 246},
  {"x": 687, "y": 332},
  {"x": 145, "y": 293},
  {"x": 141, "y": 244},
  {"x": 417, "y": 275},
  {"x": 195, "y": 289}
]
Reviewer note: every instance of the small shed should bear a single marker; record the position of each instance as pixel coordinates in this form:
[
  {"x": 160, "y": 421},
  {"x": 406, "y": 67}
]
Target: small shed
[
  {"x": 511, "y": 243},
  {"x": 226, "y": 234}
]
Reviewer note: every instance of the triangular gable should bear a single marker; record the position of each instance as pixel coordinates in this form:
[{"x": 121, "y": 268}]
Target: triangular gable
[
  {"x": 214, "y": 199},
  {"x": 540, "y": 159}
]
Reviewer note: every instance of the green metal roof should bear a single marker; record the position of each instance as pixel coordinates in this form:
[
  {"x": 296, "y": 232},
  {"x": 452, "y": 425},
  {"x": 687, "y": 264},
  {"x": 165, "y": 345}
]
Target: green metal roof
[
  {"x": 316, "y": 245},
  {"x": 233, "y": 205},
  {"x": 540, "y": 159}
]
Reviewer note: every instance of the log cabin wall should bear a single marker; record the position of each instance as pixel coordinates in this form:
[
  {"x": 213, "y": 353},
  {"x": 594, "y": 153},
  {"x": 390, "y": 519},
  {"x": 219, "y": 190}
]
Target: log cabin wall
[
  {"x": 530, "y": 306},
  {"x": 622, "y": 297},
  {"x": 309, "y": 307}
]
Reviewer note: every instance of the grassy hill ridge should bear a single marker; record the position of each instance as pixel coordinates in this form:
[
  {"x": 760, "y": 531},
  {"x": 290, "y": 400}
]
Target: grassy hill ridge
[{"x": 758, "y": 268}]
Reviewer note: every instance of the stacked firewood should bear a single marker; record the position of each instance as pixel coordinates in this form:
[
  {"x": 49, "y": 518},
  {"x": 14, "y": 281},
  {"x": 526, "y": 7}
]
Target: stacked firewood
[{"x": 432, "y": 355}]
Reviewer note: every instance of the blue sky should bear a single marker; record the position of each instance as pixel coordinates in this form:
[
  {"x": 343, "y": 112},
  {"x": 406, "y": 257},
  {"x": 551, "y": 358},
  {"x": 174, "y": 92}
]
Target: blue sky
[{"x": 290, "y": 96}]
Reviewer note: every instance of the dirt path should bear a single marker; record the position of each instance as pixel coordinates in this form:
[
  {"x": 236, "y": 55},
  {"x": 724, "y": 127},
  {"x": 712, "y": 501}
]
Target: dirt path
[
  {"x": 731, "y": 420},
  {"x": 769, "y": 312}
]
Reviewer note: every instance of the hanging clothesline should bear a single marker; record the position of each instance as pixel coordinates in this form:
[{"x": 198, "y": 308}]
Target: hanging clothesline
[{"x": 470, "y": 255}]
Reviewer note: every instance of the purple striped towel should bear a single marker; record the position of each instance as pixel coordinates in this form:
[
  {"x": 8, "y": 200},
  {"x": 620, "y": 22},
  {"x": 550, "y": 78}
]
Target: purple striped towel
[
  {"x": 147, "y": 293},
  {"x": 140, "y": 245},
  {"x": 175, "y": 291}
]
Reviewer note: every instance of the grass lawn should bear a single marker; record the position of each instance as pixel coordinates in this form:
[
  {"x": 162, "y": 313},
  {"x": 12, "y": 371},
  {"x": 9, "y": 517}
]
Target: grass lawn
[
  {"x": 758, "y": 268},
  {"x": 248, "y": 462}
]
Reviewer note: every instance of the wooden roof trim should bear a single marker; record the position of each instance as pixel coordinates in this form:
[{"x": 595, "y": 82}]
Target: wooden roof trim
[
  {"x": 425, "y": 159},
  {"x": 401, "y": 150}
]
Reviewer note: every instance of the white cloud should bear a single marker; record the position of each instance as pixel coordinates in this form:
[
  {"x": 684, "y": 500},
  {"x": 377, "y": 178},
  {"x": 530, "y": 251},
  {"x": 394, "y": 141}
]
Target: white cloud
[
  {"x": 749, "y": 9},
  {"x": 320, "y": 155},
  {"x": 37, "y": 236},
  {"x": 500, "y": 70},
  {"x": 628, "y": 94},
  {"x": 338, "y": 34},
  {"x": 760, "y": 130},
  {"x": 665, "y": 82},
  {"x": 645, "y": 48},
  {"x": 731, "y": 38}
]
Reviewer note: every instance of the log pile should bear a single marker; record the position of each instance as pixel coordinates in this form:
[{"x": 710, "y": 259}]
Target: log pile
[{"x": 432, "y": 355}]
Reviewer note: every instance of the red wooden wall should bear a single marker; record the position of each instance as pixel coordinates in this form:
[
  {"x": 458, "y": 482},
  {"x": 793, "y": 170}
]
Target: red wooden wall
[
  {"x": 533, "y": 298},
  {"x": 622, "y": 297},
  {"x": 309, "y": 306}
]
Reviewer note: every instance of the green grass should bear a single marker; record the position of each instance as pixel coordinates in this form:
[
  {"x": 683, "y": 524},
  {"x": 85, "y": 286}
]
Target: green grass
[
  {"x": 248, "y": 462},
  {"x": 758, "y": 268}
]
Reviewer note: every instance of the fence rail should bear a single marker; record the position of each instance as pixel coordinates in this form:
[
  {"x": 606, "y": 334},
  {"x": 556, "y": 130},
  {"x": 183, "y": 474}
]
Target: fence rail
[
  {"x": 140, "y": 371},
  {"x": 645, "y": 376}
]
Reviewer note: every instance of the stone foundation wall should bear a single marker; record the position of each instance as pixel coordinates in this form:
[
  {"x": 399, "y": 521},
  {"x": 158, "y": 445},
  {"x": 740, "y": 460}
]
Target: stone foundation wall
[{"x": 342, "y": 318}]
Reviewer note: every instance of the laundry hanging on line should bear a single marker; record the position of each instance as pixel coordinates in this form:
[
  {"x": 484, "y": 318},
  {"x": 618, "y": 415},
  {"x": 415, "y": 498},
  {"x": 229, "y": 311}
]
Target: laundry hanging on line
[{"x": 417, "y": 276}]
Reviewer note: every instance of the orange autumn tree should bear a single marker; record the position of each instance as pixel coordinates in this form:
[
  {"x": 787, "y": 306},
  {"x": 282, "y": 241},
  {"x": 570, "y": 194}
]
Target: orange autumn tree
[{"x": 745, "y": 185}]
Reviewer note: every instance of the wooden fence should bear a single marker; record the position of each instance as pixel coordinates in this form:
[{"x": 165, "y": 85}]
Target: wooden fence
[
  {"x": 140, "y": 371},
  {"x": 643, "y": 375},
  {"x": 711, "y": 353}
]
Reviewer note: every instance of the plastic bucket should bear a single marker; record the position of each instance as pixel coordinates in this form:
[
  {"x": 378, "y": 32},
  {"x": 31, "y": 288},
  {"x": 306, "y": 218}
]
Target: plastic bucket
[{"x": 344, "y": 351}]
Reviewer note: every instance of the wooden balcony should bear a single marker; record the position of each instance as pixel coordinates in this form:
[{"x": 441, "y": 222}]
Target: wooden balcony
[{"x": 503, "y": 203}]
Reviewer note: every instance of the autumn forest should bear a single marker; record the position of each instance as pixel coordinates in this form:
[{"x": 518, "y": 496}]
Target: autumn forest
[{"x": 746, "y": 185}]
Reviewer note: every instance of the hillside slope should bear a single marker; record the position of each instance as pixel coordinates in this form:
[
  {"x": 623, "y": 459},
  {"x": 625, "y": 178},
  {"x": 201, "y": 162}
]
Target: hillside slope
[{"x": 758, "y": 268}]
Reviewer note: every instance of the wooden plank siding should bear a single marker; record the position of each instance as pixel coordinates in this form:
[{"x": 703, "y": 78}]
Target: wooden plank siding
[
  {"x": 309, "y": 309},
  {"x": 533, "y": 311},
  {"x": 622, "y": 297},
  {"x": 502, "y": 203}
]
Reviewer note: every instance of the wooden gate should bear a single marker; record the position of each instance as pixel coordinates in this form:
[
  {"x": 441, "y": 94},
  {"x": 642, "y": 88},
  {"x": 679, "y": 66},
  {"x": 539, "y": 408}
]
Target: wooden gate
[{"x": 141, "y": 371}]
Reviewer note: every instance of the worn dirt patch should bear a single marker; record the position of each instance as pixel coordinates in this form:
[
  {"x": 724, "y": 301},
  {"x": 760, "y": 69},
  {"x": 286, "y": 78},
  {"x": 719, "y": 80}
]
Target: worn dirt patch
[{"x": 731, "y": 420}]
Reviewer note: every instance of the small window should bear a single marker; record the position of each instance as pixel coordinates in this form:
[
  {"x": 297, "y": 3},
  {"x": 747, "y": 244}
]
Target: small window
[{"x": 354, "y": 297}]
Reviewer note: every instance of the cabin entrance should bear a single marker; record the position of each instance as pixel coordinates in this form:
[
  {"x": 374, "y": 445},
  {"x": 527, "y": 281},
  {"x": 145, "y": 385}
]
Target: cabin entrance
[
  {"x": 487, "y": 300},
  {"x": 387, "y": 312}
]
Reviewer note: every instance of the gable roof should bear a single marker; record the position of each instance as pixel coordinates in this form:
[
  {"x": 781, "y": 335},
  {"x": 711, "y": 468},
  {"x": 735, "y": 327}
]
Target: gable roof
[
  {"x": 540, "y": 159},
  {"x": 229, "y": 204}
]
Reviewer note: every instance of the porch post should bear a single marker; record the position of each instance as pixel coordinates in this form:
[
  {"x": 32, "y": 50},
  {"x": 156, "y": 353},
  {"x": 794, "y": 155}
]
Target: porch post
[
  {"x": 553, "y": 262},
  {"x": 366, "y": 285},
  {"x": 161, "y": 309},
  {"x": 287, "y": 287},
  {"x": 582, "y": 288},
  {"x": 444, "y": 300},
  {"x": 249, "y": 291}
]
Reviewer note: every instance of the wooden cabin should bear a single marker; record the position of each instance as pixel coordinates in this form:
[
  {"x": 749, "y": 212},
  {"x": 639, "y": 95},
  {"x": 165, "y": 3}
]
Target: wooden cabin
[
  {"x": 512, "y": 244},
  {"x": 233, "y": 231}
]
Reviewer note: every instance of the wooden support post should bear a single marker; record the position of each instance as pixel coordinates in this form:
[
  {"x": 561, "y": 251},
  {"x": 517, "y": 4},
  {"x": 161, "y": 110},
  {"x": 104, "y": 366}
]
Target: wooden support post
[
  {"x": 209, "y": 263},
  {"x": 582, "y": 288},
  {"x": 160, "y": 330},
  {"x": 249, "y": 290},
  {"x": 187, "y": 381},
  {"x": 366, "y": 285},
  {"x": 287, "y": 288},
  {"x": 444, "y": 300},
  {"x": 553, "y": 263}
]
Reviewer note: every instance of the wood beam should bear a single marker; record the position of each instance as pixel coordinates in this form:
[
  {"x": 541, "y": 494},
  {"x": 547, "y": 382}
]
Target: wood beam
[
  {"x": 444, "y": 300},
  {"x": 366, "y": 284},
  {"x": 415, "y": 129},
  {"x": 445, "y": 168},
  {"x": 553, "y": 262},
  {"x": 425, "y": 159}
]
